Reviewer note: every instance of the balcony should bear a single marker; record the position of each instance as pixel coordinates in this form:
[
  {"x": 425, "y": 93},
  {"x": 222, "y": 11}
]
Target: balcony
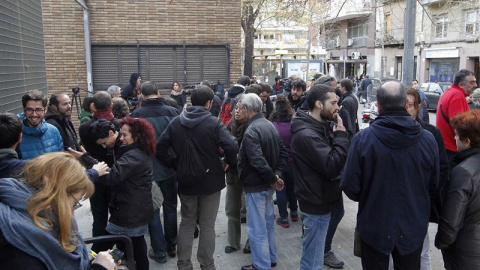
[
  {"x": 351, "y": 10},
  {"x": 430, "y": 2},
  {"x": 280, "y": 44}
]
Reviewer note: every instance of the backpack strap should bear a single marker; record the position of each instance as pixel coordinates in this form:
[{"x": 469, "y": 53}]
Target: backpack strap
[{"x": 444, "y": 115}]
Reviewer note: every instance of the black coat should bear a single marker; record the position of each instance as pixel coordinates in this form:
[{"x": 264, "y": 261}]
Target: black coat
[
  {"x": 208, "y": 135},
  {"x": 350, "y": 104},
  {"x": 65, "y": 127},
  {"x": 130, "y": 179},
  {"x": 459, "y": 230},
  {"x": 95, "y": 150},
  {"x": 262, "y": 155},
  {"x": 392, "y": 170},
  {"x": 319, "y": 156}
]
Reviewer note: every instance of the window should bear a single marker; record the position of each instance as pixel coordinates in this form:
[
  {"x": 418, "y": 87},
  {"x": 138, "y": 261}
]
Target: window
[
  {"x": 471, "y": 22},
  {"x": 388, "y": 24},
  {"x": 358, "y": 32},
  {"x": 441, "y": 27}
]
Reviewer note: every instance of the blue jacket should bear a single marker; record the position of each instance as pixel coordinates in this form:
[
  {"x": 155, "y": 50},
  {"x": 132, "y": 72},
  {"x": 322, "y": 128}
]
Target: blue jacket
[
  {"x": 392, "y": 170},
  {"x": 159, "y": 115},
  {"x": 44, "y": 138}
]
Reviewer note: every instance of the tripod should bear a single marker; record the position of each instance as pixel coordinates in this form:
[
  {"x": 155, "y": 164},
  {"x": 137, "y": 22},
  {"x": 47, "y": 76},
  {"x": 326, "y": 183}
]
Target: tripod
[{"x": 77, "y": 99}]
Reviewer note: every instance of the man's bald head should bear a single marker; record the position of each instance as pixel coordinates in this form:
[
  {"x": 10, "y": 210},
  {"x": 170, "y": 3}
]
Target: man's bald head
[{"x": 392, "y": 95}]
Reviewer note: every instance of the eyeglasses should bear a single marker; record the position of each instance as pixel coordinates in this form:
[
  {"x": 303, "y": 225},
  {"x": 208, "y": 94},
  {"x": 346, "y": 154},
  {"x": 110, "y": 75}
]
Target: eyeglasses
[
  {"x": 77, "y": 203},
  {"x": 37, "y": 110}
]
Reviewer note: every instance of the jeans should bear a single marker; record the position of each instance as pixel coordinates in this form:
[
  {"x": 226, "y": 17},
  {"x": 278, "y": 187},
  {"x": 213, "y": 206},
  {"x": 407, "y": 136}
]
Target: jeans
[
  {"x": 315, "y": 230},
  {"x": 169, "y": 188},
  {"x": 157, "y": 239},
  {"x": 261, "y": 231},
  {"x": 287, "y": 195},
  {"x": 335, "y": 219},
  {"x": 233, "y": 204},
  {"x": 203, "y": 208}
]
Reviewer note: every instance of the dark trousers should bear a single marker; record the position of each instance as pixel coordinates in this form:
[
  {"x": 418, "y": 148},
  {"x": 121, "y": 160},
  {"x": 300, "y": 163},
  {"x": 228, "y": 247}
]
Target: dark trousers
[
  {"x": 374, "y": 260},
  {"x": 287, "y": 195},
  {"x": 99, "y": 206},
  {"x": 335, "y": 219},
  {"x": 169, "y": 188}
]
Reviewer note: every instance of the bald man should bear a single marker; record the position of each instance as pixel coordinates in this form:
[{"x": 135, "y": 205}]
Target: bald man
[{"x": 392, "y": 168}]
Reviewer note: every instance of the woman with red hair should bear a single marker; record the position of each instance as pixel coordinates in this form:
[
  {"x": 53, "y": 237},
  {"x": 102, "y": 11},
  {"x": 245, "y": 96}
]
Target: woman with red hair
[
  {"x": 459, "y": 228},
  {"x": 130, "y": 179}
]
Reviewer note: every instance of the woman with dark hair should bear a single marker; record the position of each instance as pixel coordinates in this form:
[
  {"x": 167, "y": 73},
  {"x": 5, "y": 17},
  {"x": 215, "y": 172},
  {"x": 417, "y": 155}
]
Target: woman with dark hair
[
  {"x": 281, "y": 117},
  {"x": 88, "y": 109},
  {"x": 458, "y": 230},
  {"x": 178, "y": 95},
  {"x": 38, "y": 229}
]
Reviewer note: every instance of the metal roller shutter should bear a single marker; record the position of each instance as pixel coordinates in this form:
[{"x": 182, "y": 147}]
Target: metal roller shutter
[
  {"x": 215, "y": 64},
  {"x": 22, "y": 52},
  {"x": 105, "y": 66}
]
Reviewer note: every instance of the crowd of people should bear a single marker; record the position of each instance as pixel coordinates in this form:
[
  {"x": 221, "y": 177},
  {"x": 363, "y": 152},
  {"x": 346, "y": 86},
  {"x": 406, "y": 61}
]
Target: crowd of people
[{"x": 136, "y": 152}]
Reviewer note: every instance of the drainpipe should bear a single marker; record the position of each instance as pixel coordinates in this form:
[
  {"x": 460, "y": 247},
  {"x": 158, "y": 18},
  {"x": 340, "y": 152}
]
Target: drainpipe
[{"x": 88, "y": 51}]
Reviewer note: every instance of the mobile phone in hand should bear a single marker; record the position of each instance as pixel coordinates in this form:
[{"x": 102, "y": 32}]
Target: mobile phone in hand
[{"x": 117, "y": 255}]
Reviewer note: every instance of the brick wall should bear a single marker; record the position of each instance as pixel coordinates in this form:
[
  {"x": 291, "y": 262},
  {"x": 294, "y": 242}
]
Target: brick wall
[{"x": 129, "y": 21}]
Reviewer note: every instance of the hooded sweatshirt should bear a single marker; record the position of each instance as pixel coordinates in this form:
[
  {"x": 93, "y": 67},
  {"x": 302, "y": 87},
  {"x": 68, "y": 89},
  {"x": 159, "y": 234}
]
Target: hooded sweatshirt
[
  {"x": 208, "y": 134},
  {"x": 9, "y": 163},
  {"x": 392, "y": 169},
  {"x": 18, "y": 229}
]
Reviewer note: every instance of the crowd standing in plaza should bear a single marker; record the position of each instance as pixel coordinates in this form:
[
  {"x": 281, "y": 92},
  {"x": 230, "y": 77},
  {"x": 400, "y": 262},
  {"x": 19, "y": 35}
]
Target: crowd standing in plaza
[{"x": 136, "y": 151}]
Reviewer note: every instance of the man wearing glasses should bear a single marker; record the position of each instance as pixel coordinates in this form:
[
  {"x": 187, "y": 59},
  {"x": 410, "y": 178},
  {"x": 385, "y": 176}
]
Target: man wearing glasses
[{"x": 39, "y": 137}]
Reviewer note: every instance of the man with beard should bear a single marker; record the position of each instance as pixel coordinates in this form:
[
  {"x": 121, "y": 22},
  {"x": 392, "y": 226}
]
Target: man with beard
[
  {"x": 39, "y": 137},
  {"x": 319, "y": 149},
  {"x": 59, "y": 114},
  {"x": 392, "y": 170},
  {"x": 297, "y": 95}
]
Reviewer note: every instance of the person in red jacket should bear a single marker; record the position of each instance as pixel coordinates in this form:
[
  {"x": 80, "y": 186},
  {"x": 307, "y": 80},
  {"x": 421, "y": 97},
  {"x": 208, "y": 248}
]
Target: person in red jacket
[{"x": 451, "y": 103}]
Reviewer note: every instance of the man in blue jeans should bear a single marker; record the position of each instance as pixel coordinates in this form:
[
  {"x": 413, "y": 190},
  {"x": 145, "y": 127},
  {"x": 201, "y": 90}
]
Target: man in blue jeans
[
  {"x": 319, "y": 149},
  {"x": 262, "y": 158}
]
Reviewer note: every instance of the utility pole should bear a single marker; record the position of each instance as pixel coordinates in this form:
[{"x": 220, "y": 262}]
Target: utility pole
[{"x": 409, "y": 43}]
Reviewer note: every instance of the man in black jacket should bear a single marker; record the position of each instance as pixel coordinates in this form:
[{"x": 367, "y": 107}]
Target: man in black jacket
[
  {"x": 159, "y": 115},
  {"x": 59, "y": 114},
  {"x": 392, "y": 170},
  {"x": 102, "y": 102},
  {"x": 319, "y": 148},
  {"x": 199, "y": 198},
  {"x": 350, "y": 103},
  {"x": 297, "y": 97},
  {"x": 262, "y": 159}
]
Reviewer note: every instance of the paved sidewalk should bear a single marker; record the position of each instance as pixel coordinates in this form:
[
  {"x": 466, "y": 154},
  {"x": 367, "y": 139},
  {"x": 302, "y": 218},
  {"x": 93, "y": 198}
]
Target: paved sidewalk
[{"x": 289, "y": 242}]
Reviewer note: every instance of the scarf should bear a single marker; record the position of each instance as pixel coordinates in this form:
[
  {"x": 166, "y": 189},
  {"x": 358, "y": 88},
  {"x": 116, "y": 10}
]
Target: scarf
[
  {"x": 104, "y": 114},
  {"x": 20, "y": 231},
  {"x": 175, "y": 93}
]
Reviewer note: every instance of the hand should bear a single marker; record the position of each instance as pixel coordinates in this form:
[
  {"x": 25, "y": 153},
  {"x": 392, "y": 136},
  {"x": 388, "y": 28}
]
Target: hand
[
  {"x": 105, "y": 259},
  {"x": 224, "y": 165},
  {"x": 102, "y": 168},
  {"x": 339, "y": 125},
  {"x": 279, "y": 184},
  {"x": 77, "y": 154}
]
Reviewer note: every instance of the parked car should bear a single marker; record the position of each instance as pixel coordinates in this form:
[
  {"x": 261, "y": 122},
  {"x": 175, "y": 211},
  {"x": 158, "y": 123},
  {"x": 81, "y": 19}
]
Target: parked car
[{"x": 433, "y": 91}]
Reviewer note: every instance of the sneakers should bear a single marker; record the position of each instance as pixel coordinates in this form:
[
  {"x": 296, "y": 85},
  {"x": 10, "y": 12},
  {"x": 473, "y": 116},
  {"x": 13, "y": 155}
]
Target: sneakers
[
  {"x": 160, "y": 259},
  {"x": 283, "y": 222},
  {"x": 331, "y": 260},
  {"x": 294, "y": 216}
]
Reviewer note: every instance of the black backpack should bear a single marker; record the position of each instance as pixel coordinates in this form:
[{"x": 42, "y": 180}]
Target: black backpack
[{"x": 189, "y": 165}]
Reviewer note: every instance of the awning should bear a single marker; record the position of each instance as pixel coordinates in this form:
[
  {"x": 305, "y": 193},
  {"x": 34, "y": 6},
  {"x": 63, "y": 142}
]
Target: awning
[{"x": 346, "y": 61}]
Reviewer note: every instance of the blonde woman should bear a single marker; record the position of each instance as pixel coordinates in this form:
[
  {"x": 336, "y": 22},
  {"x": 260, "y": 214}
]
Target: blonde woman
[{"x": 37, "y": 226}]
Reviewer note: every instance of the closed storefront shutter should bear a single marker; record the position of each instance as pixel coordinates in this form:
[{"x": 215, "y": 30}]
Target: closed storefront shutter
[
  {"x": 22, "y": 52},
  {"x": 163, "y": 64}
]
